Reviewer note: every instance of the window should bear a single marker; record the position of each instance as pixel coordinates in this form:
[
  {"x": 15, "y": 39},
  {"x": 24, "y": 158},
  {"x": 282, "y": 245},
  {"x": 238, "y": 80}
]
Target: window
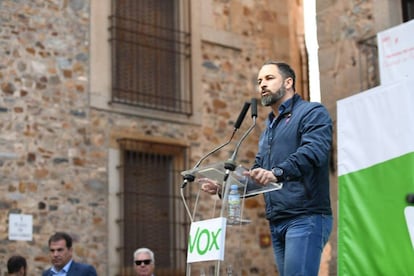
[
  {"x": 145, "y": 59},
  {"x": 407, "y": 10},
  {"x": 153, "y": 214},
  {"x": 151, "y": 55}
]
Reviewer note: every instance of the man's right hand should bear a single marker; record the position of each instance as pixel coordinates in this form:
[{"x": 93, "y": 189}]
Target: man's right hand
[{"x": 209, "y": 186}]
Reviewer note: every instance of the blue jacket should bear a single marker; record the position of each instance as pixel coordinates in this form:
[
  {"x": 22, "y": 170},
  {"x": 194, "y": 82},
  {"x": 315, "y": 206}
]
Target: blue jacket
[
  {"x": 299, "y": 142},
  {"x": 76, "y": 269}
]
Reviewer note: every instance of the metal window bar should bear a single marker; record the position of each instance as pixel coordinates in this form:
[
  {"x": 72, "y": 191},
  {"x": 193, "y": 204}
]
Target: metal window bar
[
  {"x": 153, "y": 215},
  {"x": 151, "y": 56},
  {"x": 368, "y": 60}
]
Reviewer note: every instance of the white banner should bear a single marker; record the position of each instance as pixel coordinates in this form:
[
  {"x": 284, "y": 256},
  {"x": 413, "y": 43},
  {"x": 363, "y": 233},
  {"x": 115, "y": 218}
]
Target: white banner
[
  {"x": 361, "y": 143},
  {"x": 396, "y": 53}
]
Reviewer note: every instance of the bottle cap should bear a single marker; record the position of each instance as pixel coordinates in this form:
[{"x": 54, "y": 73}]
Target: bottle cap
[{"x": 234, "y": 187}]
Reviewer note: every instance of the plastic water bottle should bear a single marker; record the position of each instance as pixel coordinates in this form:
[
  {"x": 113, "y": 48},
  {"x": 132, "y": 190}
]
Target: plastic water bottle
[{"x": 234, "y": 204}]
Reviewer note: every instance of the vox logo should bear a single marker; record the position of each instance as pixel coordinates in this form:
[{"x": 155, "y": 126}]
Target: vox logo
[{"x": 206, "y": 240}]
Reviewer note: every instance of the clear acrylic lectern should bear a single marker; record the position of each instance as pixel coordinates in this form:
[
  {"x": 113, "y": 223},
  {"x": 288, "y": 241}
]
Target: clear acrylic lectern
[{"x": 210, "y": 229}]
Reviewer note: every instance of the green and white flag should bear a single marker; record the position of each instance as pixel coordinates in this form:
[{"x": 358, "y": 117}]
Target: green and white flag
[{"x": 375, "y": 173}]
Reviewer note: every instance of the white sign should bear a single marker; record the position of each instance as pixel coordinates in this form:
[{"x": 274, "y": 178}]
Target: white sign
[
  {"x": 207, "y": 240},
  {"x": 20, "y": 227},
  {"x": 396, "y": 53}
]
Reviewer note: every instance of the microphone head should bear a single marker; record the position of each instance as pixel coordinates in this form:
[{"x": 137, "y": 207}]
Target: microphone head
[
  {"x": 254, "y": 107},
  {"x": 242, "y": 115}
]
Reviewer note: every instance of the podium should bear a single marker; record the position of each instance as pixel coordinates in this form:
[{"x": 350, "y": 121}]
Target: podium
[{"x": 215, "y": 245}]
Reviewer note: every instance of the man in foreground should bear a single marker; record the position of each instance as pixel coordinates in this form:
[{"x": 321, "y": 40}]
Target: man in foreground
[
  {"x": 294, "y": 149},
  {"x": 60, "y": 249}
]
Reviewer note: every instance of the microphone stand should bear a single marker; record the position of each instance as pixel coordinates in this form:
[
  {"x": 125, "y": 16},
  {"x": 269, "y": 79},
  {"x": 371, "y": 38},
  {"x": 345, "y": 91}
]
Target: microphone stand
[
  {"x": 190, "y": 177},
  {"x": 230, "y": 165}
]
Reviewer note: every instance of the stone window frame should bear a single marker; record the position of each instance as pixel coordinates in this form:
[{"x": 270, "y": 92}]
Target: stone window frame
[
  {"x": 115, "y": 157},
  {"x": 100, "y": 67}
]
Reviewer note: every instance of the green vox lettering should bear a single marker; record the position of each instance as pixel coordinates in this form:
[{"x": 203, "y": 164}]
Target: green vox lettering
[{"x": 204, "y": 234}]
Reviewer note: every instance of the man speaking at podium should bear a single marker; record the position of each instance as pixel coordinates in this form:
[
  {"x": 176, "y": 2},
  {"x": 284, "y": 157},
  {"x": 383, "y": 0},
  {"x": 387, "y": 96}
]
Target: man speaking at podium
[{"x": 293, "y": 149}]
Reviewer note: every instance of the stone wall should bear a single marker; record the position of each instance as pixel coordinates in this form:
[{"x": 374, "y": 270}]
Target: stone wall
[{"x": 58, "y": 171}]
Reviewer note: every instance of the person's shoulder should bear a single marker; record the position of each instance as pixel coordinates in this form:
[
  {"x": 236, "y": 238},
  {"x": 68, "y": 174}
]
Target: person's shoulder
[
  {"x": 82, "y": 265},
  {"x": 314, "y": 111},
  {"x": 311, "y": 106},
  {"x": 46, "y": 272},
  {"x": 304, "y": 106},
  {"x": 82, "y": 268}
]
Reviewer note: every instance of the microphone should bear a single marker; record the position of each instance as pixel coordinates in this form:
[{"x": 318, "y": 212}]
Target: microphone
[
  {"x": 242, "y": 115},
  {"x": 190, "y": 177},
  {"x": 254, "y": 107},
  {"x": 230, "y": 164}
]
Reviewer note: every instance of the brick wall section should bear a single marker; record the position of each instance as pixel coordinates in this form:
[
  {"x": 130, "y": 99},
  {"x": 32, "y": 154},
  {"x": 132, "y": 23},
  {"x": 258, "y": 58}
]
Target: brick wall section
[{"x": 59, "y": 174}]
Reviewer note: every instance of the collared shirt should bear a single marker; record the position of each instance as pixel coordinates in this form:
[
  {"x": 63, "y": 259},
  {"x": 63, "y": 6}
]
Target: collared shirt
[
  {"x": 63, "y": 271},
  {"x": 282, "y": 109}
]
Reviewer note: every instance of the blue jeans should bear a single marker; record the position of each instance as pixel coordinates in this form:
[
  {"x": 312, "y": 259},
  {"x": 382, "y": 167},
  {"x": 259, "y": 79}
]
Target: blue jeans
[{"x": 298, "y": 243}]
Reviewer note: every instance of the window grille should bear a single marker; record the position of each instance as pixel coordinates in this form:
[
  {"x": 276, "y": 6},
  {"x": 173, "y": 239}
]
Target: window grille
[
  {"x": 153, "y": 214},
  {"x": 151, "y": 55}
]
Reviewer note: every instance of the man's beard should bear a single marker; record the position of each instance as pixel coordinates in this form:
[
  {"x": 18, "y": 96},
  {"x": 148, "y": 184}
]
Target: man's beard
[{"x": 273, "y": 97}]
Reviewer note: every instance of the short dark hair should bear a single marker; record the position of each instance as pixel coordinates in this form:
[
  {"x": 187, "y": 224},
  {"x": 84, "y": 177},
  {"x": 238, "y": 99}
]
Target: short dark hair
[
  {"x": 15, "y": 263},
  {"x": 285, "y": 70},
  {"x": 61, "y": 236}
]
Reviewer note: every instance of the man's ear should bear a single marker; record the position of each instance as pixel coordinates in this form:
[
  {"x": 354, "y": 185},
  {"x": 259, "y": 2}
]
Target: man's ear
[{"x": 288, "y": 82}]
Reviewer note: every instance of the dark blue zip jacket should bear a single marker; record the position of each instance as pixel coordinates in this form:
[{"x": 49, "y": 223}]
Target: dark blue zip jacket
[{"x": 298, "y": 141}]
